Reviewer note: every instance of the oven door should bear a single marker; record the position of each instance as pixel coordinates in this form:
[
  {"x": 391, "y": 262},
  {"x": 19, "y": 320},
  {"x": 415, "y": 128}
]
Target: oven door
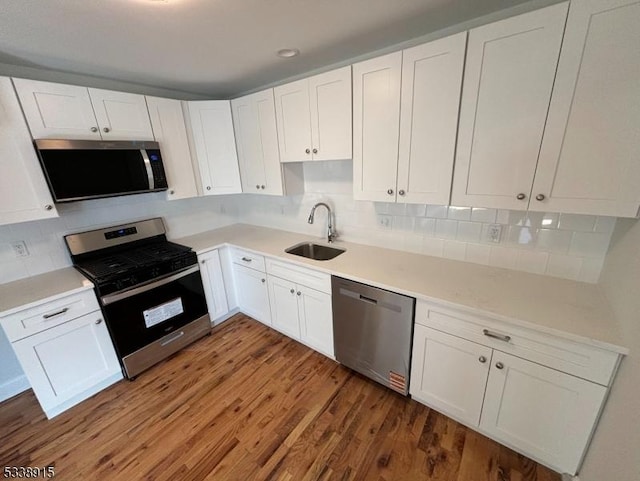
[{"x": 140, "y": 316}]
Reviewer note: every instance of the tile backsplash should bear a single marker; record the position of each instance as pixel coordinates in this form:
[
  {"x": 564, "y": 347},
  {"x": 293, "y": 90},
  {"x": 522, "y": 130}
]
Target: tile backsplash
[{"x": 561, "y": 245}]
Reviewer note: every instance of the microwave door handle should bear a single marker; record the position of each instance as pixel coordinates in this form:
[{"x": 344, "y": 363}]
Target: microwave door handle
[{"x": 147, "y": 166}]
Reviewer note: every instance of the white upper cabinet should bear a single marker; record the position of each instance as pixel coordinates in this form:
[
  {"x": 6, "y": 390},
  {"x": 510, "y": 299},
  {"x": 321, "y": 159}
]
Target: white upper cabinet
[
  {"x": 254, "y": 119},
  {"x": 430, "y": 100},
  {"x": 169, "y": 130},
  {"x": 405, "y": 122},
  {"x": 24, "y": 195},
  {"x": 59, "y": 111},
  {"x": 376, "y": 126},
  {"x": 314, "y": 117},
  {"x": 215, "y": 146},
  {"x": 590, "y": 157},
  {"x": 509, "y": 75},
  {"x": 330, "y": 103},
  {"x": 120, "y": 115}
]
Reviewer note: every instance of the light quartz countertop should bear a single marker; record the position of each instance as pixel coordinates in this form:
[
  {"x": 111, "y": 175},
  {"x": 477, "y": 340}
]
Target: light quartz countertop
[
  {"x": 573, "y": 310},
  {"x": 32, "y": 291}
]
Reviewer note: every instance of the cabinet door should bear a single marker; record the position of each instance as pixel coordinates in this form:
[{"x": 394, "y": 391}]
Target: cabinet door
[
  {"x": 508, "y": 79},
  {"x": 68, "y": 359},
  {"x": 57, "y": 111},
  {"x": 215, "y": 146},
  {"x": 544, "y": 413},
  {"x": 376, "y": 126},
  {"x": 431, "y": 84},
  {"x": 284, "y": 306},
  {"x": 449, "y": 373},
  {"x": 24, "y": 195},
  {"x": 589, "y": 162},
  {"x": 254, "y": 119},
  {"x": 121, "y": 115},
  {"x": 330, "y": 104},
  {"x": 215, "y": 292},
  {"x": 294, "y": 121},
  {"x": 316, "y": 319},
  {"x": 169, "y": 130},
  {"x": 252, "y": 293}
]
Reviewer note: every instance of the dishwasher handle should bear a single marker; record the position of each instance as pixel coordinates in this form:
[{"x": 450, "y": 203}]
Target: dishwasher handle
[{"x": 368, "y": 299}]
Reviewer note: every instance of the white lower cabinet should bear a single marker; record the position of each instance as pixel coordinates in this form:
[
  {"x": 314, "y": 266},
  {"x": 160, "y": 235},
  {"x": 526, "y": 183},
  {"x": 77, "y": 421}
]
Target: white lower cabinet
[
  {"x": 302, "y": 313},
  {"x": 449, "y": 373},
  {"x": 68, "y": 363},
  {"x": 213, "y": 281},
  {"x": 548, "y": 415},
  {"x": 252, "y": 294},
  {"x": 284, "y": 306},
  {"x": 540, "y": 411},
  {"x": 316, "y": 320}
]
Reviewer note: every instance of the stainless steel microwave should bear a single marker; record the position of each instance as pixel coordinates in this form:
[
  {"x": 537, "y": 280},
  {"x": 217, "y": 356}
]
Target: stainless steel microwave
[{"x": 91, "y": 169}]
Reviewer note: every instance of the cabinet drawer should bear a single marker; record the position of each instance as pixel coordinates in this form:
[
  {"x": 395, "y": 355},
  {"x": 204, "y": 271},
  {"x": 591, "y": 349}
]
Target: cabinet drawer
[
  {"x": 45, "y": 316},
  {"x": 248, "y": 259},
  {"x": 300, "y": 275},
  {"x": 584, "y": 361}
]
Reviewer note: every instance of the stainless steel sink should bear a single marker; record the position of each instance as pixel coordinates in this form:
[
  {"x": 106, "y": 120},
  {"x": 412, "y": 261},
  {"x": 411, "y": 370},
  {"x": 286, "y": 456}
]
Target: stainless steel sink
[{"x": 314, "y": 251}]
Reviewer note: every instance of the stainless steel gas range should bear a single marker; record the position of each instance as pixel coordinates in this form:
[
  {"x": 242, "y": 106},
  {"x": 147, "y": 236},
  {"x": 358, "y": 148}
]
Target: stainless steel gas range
[{"x": 149, "y": 289}]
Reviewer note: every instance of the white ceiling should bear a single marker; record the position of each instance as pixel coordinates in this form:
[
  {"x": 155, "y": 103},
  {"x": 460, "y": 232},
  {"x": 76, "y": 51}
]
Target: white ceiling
[{"x": 214, "y": 47}]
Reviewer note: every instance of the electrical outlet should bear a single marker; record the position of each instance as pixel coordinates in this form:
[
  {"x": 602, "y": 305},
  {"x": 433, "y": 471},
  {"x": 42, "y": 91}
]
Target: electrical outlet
[
  {"x": 20, "y": 249},
  {"x": 494, "y": 233},
  {"x": 385, "y": 221}
]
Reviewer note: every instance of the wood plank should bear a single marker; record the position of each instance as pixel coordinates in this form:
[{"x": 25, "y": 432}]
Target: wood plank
[{"x": 249, "y": 403}]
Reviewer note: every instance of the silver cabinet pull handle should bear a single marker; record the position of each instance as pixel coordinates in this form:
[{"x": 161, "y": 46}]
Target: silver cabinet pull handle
[
  {"x": 401, "y": 192},
  {"x": 482, "y": 359},
  {"x": 307, "y": 151},
  {"x": 208, "y": 187},
  {"x": 48, "y": 207},
  {"x": 94, "y": 129},
  {"x": 390, "y": 192},
  {"x": 499, "y": 365},
  {"x": 246, "y": 259},
  {"x": 495, "y": 335},
  {"x": 521, "y": 196},
  {"x": 54, "y": 314},
  {"x": 98, "y": 321},
  {"x": 263, "y": 280},
  {"x": 292, "y": 291},
  {"x": 315, "y": 151},
  {"x": 540, "y": 197},
  {"x": 106, "y": 129},
  {"x": 174, "y": 338},
  {"x": 299, "y": 293}
]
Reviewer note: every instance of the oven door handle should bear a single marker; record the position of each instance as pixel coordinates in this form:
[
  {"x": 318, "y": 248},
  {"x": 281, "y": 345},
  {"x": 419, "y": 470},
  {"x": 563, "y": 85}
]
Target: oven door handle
[{"x": 118, "y": 296}]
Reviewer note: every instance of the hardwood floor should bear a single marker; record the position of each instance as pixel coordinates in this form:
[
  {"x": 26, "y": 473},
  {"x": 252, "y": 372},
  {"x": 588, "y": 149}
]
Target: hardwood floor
[{"x": 250, "y": 404}]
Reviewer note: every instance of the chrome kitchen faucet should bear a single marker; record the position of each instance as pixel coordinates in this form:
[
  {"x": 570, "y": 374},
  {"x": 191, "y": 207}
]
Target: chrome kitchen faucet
[{"x": 331, "y": 234}]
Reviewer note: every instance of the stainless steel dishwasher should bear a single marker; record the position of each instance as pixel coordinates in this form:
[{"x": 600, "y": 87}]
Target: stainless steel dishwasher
[{"x": 372, "y": 332}]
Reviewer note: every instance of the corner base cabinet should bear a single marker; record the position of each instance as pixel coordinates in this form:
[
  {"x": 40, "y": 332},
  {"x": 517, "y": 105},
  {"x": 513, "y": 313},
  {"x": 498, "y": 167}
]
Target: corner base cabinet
[
  {"x": 214, "y": 288},
  {"x": 66, "y": 360},
  {"x": 535, "y": 393}
]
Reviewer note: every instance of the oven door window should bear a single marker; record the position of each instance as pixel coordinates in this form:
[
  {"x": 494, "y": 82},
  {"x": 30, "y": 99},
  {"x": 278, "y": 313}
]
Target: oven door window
[{"x": 143, "y": 318}]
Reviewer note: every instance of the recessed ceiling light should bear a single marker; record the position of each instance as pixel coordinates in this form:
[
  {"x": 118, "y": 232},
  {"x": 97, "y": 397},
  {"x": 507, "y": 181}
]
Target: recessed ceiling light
[{"x": 288, "y": 52}]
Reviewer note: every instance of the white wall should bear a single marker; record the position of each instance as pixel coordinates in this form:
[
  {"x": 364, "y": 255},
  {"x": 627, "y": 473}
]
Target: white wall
[
  {"x": 615, "y": 451},
  {"x": 569, "y": 246}
]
